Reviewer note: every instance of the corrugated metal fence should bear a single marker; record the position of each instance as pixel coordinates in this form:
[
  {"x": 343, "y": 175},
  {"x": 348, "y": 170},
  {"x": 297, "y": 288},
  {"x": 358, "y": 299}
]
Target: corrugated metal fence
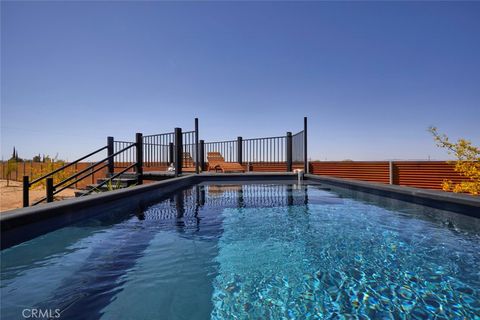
[{"x": 420, "y": 174}]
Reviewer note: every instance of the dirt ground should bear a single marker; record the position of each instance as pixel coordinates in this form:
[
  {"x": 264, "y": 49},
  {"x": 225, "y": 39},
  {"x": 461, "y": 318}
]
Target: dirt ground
[{"x": 11, "y": 196}]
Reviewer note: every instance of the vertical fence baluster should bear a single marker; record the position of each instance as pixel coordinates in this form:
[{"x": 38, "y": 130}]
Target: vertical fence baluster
[
  {"x": 269, "y": 150},
  {"x": 202, "y": 154},
  {"x": 250, "y": 151},
  {"x": 264, "y": 149}
]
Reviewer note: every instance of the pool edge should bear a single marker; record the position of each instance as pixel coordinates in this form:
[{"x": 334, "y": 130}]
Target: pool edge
[{"x": 459, "y": 203}]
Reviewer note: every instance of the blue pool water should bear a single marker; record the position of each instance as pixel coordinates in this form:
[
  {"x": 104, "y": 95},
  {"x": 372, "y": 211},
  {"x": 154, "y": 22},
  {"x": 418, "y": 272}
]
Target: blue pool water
[{"x": 253, "y": 251}]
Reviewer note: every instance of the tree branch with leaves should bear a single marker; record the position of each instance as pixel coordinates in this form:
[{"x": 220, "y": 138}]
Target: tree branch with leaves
[{"x": 467, "y": 163}]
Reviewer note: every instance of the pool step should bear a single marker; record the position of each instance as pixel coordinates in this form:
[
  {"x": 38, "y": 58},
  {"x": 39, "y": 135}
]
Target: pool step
[
  {"x": 116, "y": 183},
  {"x": 119, "y": 182},
  {"x": 79, "y": 193},
  {"x": 124, "y": 181}
]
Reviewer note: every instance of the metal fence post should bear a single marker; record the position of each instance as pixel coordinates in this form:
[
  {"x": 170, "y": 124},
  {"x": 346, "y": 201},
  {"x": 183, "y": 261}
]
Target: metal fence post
[
  {"x": 289, "y": 151},
  {"x": 305, "y": 154},
  {"x": 26, "y": 187},
  {"x": 111, "y": 165},
  {"x": 50, "y": 190},
  {"x": 178, "y": 151},
  {"x": 202, "y": 154},
  {"x": 139, "y": 153},
  {"x": 196, "y": 147},
  {"x": 239, "y": 150}
]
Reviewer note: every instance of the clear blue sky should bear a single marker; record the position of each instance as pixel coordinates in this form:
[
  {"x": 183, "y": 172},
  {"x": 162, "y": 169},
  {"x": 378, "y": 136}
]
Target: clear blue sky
[{"x": 371, "y": 77}]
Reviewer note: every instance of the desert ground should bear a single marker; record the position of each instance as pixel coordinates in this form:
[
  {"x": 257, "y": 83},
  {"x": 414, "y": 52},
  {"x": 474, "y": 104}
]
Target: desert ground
[{"x": 11, "y": 196}]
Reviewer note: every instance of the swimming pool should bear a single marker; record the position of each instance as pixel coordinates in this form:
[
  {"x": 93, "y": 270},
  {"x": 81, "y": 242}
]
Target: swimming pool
[{"x": 255, "y": 250}]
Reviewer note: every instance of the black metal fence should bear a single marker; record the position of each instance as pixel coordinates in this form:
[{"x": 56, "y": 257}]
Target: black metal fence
[
  {"x": 189, "y": 150},
  {"x": 184, "y": 150},
  {"x": 271, "y": 149},
  {"x": 158, "y": 149},
  {"x": 298, "y": 147},
  {"x": 228, "y": 149},
  {"x": 123, "y": 159},
  {"x": 290, "y": 149},
  {"x": 56, "y": 182}
]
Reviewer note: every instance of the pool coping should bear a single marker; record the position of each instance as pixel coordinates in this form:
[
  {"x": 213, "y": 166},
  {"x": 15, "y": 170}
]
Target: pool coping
[
  {"x": 23, "y": 224},
  {"x": 75, "y": 209},
  {"x": 460, "y": 203}
]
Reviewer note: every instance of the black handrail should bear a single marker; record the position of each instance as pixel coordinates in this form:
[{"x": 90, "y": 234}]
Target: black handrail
[
  {"x": 66, "y": 166},
  {"x": 212, "y": 142},
  {"x": 93, "y": 171},
  {"x": 92, "y": 166},
  {"x": 263, "y": 138},
  {"x": 155, "y": 135},
  {"x": 156, "y": 149},
  {"x": 71, "y": 184}
]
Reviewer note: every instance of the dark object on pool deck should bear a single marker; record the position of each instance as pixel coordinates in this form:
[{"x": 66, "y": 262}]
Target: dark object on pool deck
[{"x": 217, "y": 162}]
